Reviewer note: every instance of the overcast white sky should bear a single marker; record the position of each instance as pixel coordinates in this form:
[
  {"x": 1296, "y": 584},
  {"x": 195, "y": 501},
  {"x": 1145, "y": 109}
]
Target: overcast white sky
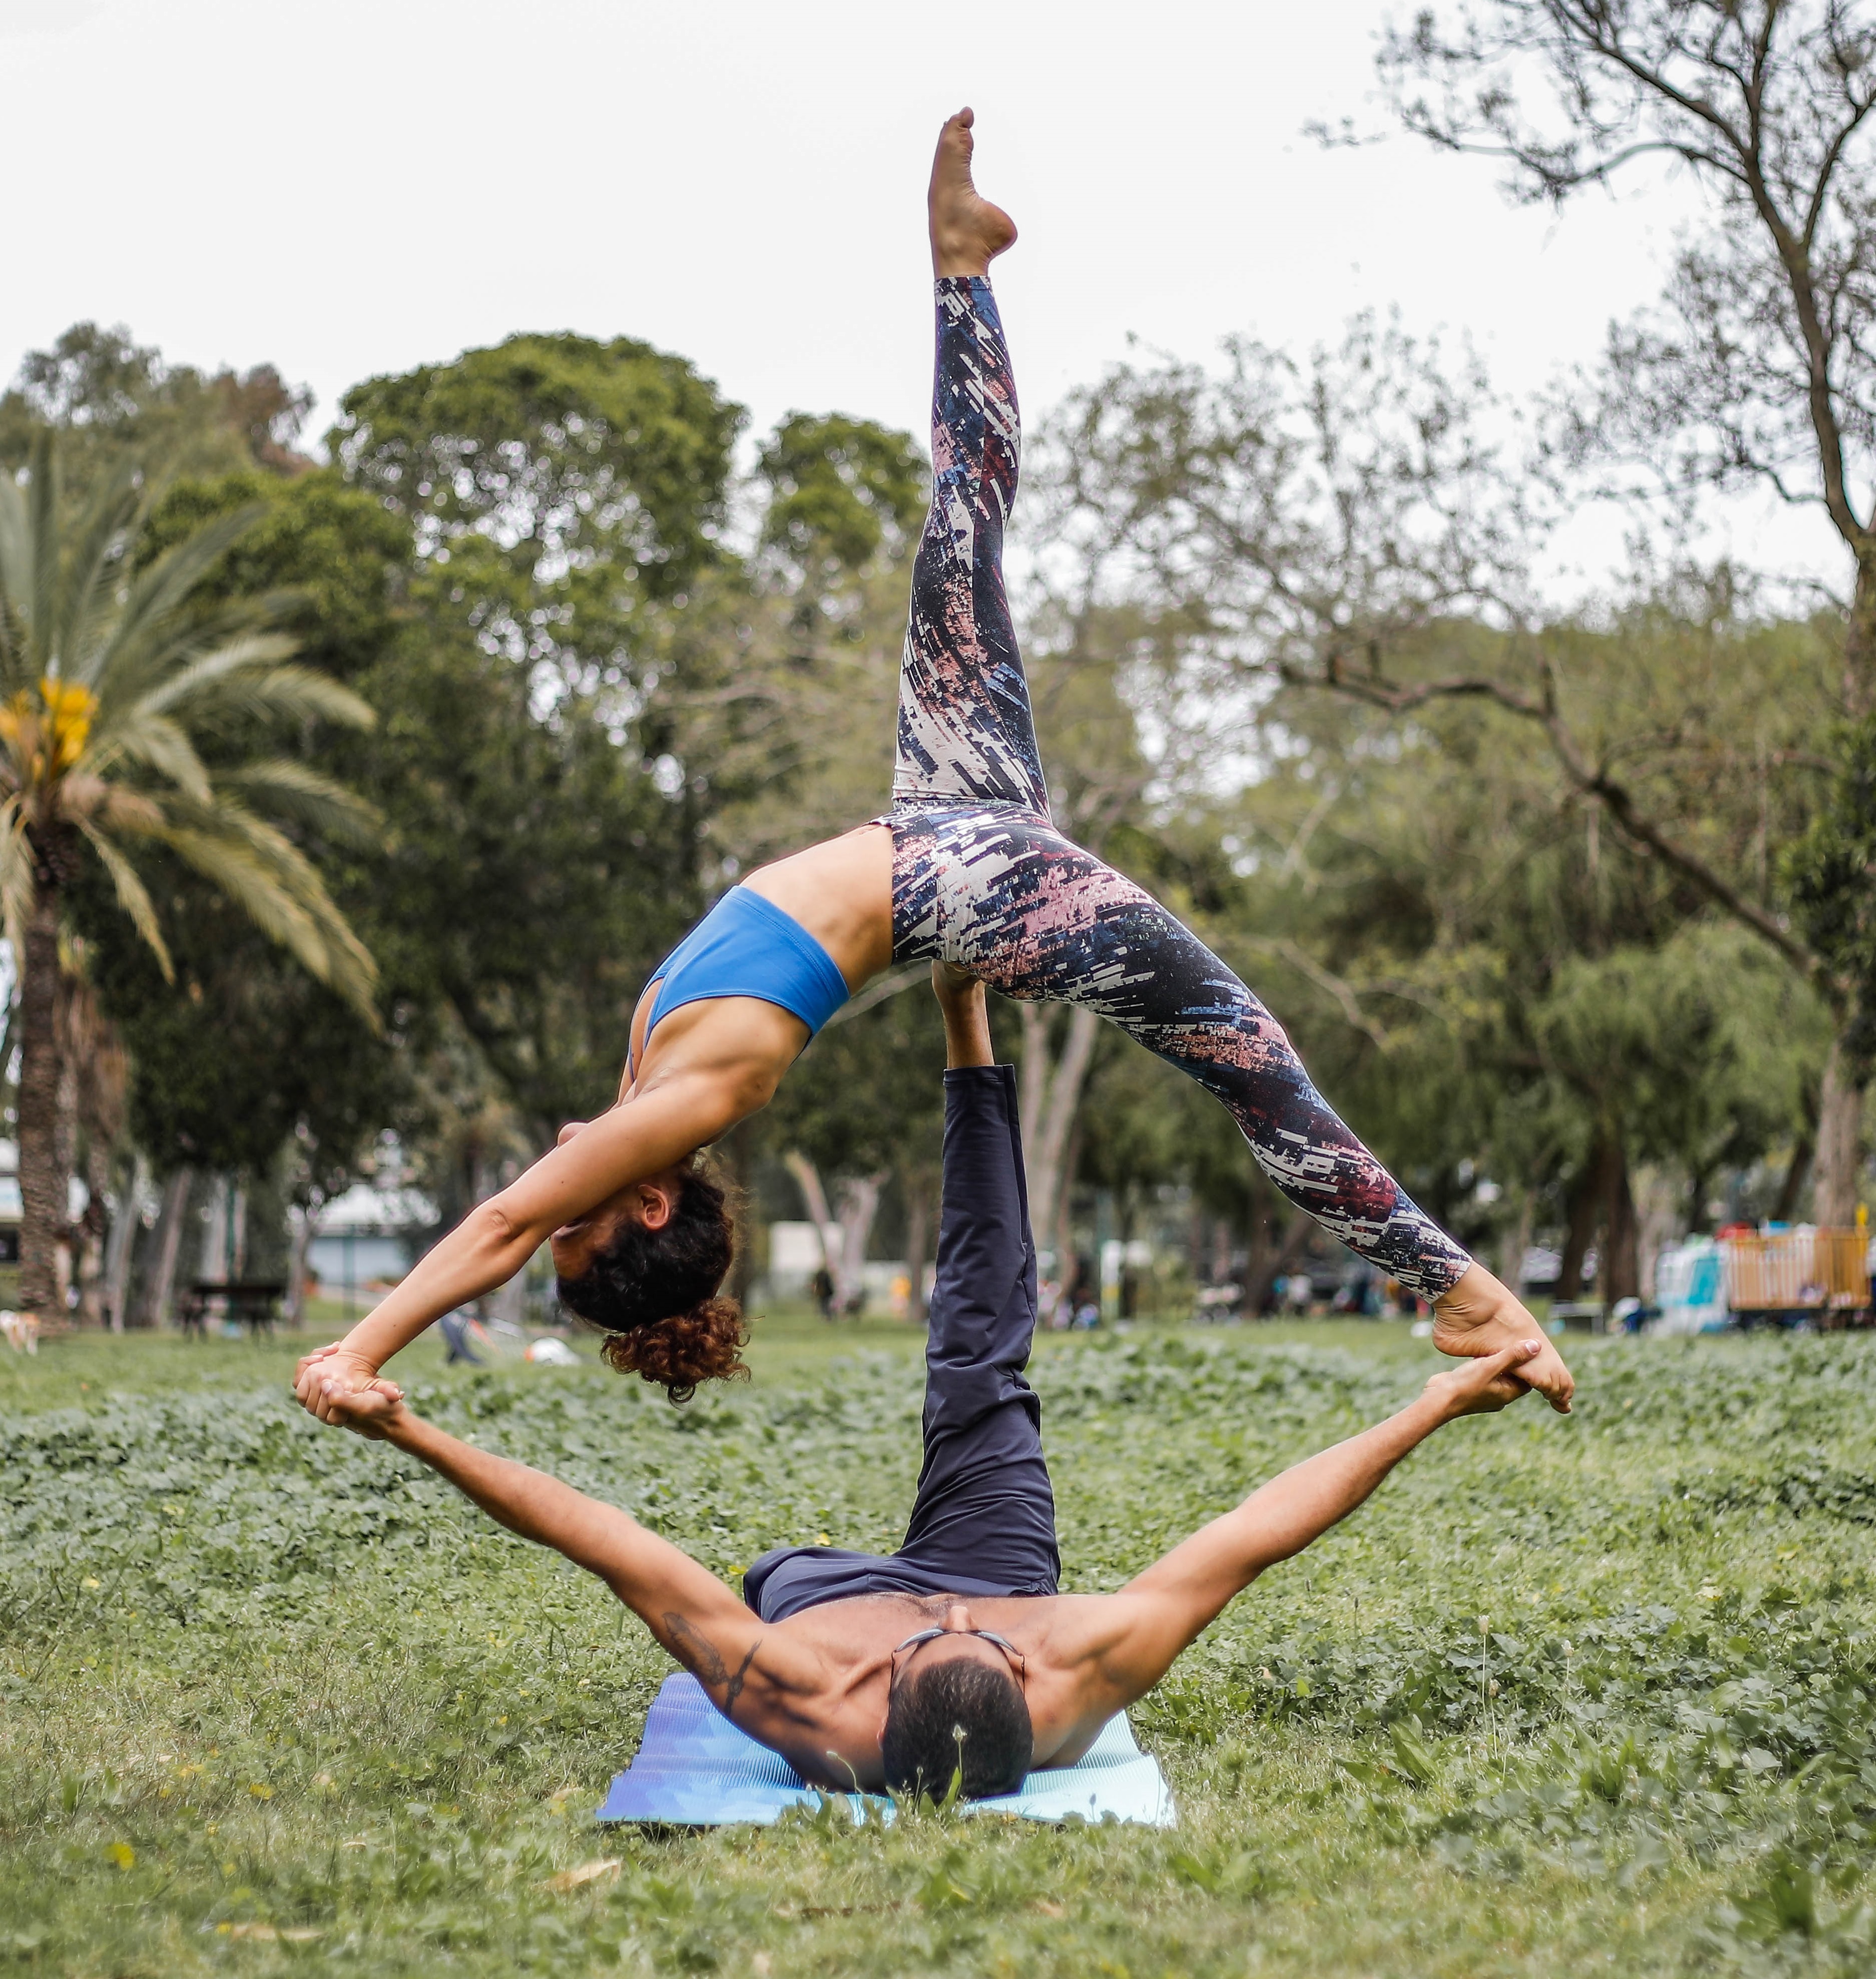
[{"x": 359, "y": 186}]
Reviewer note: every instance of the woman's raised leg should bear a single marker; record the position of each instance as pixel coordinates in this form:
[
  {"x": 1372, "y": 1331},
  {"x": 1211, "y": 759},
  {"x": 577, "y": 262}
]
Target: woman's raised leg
[
  {"x": 998, "y": 892},
  {"x": 965, "y": 731}
]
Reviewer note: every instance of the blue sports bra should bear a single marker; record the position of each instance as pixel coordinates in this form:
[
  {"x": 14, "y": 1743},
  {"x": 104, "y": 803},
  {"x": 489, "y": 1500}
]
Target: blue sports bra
[{"x": 747, "y": 947}]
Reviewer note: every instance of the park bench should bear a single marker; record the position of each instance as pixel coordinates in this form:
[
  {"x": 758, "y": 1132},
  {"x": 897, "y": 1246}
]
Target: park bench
[{"x": 255, "y": 1303}]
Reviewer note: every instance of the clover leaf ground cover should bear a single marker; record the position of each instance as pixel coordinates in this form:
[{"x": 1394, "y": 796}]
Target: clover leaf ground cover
[{"x": 1567, "y": 1696}]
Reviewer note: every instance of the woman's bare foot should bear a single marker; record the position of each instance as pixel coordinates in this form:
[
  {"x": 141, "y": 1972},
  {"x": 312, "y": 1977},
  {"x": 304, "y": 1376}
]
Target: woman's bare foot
[
  {"x": 968, "y": 233},
  {"x": 1480, "y": 1316}
]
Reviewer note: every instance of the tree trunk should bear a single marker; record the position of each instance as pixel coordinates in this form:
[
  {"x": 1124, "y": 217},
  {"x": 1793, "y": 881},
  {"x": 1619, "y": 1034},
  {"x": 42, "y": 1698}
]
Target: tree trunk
[
  {"x": 827, "y": 1226},
  {"x": 915, "y": 1183},
  {"x": 1276, "y": 1262},
  {"x": 42, "y": 1188},
  {"x": 1620, "y": 1276},
  {"x": 1838, "y": 1168},
  {"x": 302, "y": 1222},
  {"x": 860, "y": 1204},
  {"x": 1798, "y": 1172},
  {"x": 168, "y": 1248},
  {"x": 1223, "y": 1247},
  {"x": 67, "y": 1259},
  {"x": 1068, "y": 1265},
  {"x": 1517, "y": 1240},
  {"x": 1859, "y": 641},
  {"x": 122, "y": 1244},
  {"x": 1054, "y": 1091},
  {"x": 733, "y": 1151},
  {"x": 215, "y": 1263},
  {"x": 1589, "y": 1194}
]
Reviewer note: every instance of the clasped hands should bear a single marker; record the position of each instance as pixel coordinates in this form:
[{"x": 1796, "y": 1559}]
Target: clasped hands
[{"x": 341, "y": 1388}]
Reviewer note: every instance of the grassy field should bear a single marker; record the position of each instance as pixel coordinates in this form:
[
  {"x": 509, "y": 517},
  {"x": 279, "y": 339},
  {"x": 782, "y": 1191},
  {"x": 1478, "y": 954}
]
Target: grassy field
[{"x": 1569, "y": 1696}]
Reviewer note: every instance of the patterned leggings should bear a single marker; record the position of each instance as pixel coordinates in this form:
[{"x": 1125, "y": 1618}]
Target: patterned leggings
[{"x": 981, "y": 878}]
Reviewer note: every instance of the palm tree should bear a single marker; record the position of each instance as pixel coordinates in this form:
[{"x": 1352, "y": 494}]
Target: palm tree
[{"x": 111, "y": 677}]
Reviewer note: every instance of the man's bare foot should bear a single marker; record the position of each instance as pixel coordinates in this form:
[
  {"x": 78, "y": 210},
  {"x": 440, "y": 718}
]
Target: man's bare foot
[
  {"x": 1481, "y": 1316},
  {"x": 968, "y": 233}
]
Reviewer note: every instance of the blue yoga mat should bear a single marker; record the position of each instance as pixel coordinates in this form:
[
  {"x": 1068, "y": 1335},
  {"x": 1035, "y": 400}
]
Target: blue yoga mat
[{"x": 696, "y": 1770}]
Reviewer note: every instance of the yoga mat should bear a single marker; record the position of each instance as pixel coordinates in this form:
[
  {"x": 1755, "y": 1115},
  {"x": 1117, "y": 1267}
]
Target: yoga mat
[{"x": 696, "y": 1770}]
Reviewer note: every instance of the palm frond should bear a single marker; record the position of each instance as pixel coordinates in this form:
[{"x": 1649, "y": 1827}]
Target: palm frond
[
  {"x": 164, "y": 650},
  {"x": 280, "y": 693},
  {"x": 159, "y": 590},
  {"x": 15, "y": 634},
  {"x": 276, "y": 886},
  {"x": 296, "y": 791},
  {"x": 91, "y": 575},
  {"x": 158, "y": 744},
  {"x": 82, "y": 796},
  {"x": 246, "y": 649},
  {"x": 16, "y": 870},
  {"x": 133, "y": 897},
  {"x": 42, "y": 509},
  {"x": 15, "y": 574}
]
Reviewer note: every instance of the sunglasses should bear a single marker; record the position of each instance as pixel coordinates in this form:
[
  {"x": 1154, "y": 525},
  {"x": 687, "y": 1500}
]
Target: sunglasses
[{"x": 911, "y": 1645}]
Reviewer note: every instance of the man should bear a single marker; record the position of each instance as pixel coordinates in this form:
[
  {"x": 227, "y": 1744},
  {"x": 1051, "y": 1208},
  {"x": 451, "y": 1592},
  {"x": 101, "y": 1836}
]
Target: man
[{"x": 955, "y": 1655}]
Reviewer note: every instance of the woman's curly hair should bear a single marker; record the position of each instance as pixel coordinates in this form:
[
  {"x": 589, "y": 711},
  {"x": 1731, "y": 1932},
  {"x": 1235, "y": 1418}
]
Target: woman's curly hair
[{"x": 654, "y": 1294}]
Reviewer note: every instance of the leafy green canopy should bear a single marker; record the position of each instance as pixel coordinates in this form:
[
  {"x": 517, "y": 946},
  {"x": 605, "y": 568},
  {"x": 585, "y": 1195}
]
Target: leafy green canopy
[
  {"x": 1832, "y": 873},
  {"x": 841, "y": 491},
  {"x": 565, "y": 484},
  {"x": 114, "y": 400}
]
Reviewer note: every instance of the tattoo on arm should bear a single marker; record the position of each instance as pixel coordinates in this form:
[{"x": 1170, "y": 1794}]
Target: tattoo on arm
[{"x": 694, "y": 1647}]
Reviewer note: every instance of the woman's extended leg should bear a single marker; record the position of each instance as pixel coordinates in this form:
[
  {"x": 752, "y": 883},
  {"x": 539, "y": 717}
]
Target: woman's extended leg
[
  {"x": 965, "y": 731},
  {"x": 982, "y": 880},
  {"x": 1001, "y": 894}
]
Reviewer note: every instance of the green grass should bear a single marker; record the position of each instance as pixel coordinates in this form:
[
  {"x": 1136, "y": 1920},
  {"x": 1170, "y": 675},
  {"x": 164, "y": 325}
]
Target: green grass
[{"x": 257, "y": 1676}]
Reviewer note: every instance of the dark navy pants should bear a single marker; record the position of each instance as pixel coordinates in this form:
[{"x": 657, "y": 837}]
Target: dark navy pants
[{"x": 984, "y": 1520}]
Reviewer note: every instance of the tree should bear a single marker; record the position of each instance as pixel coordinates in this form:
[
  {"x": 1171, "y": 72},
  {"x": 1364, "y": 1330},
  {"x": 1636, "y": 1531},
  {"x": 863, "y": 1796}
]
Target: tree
[
  {"x": 112, "y": 399},
  {"x": 110, "y": 680},
  {"x": 1832, "y": 870},
  {"x": 1490, "y": 985},
  {"x": 1757, "y": 370},
  {"x": 1338, "y": 527}
]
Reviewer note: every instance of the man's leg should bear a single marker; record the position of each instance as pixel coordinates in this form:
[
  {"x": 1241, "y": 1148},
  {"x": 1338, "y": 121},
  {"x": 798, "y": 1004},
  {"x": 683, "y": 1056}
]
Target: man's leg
[
  {"x": 985, "y": 1509},
  {"x": 965, "y": 729}
]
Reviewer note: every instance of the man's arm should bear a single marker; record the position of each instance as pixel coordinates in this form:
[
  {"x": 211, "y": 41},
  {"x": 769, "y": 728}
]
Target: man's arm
[
  {"x": 1158, "y": 1614},
  {"x": 690, "y": 1612}
]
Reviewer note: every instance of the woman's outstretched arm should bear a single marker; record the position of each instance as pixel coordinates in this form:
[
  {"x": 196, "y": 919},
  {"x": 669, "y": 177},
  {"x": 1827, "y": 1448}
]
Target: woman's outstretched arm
[{"x": 496, "y": 1240}]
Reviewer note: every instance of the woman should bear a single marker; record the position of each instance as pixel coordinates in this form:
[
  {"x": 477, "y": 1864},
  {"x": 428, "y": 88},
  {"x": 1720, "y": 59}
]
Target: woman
[{"x": 967, "y": 869}]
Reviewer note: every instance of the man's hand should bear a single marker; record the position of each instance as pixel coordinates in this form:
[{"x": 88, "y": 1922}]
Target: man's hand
[
  {"x": 1480, "y": 1317},
  {"x": 372, "y": 1412},
  {"x": 1484, "y": 1386},
  {"x": 967, "y": 1021},
  {"x": 328, "y": 1375}
]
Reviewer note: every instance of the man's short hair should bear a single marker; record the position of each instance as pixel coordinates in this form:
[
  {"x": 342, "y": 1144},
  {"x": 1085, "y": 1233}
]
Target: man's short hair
[{"x": 953, "y": 1714}]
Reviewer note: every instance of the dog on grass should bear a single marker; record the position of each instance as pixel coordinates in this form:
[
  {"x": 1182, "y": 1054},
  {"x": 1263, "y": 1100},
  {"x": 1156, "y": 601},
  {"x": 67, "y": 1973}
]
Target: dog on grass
[{"x": 22, "y": 1331}]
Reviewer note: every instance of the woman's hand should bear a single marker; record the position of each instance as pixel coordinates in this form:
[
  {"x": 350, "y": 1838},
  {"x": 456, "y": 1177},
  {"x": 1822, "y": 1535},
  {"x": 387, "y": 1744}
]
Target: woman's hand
[
  {"x": 329, "y": 1374},
  {"x": 1484, "y": 1386}
]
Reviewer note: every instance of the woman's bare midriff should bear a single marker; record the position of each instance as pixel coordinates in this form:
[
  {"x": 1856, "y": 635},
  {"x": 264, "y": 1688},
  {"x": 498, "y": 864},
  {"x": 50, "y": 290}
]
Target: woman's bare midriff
[{"x": 841, "y": 891}]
